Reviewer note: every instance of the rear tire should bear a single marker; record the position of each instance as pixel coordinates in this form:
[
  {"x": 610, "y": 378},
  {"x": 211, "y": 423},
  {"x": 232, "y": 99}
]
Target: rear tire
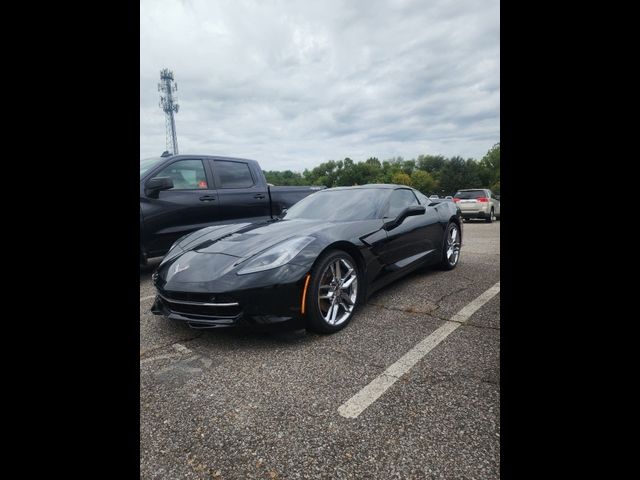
[
  {"x": 333, "y": 293},
  {"x": 451, "y": 247}
]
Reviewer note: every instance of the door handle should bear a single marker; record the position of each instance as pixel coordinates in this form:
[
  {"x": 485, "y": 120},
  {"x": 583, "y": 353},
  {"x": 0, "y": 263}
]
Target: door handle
[
  {"x": 260, "y": 196},
  {"x": 207, "y": 198}
]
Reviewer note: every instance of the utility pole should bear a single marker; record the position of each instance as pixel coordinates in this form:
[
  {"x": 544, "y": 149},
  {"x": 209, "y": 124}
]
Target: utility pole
[{"x": 167, "y": 87}]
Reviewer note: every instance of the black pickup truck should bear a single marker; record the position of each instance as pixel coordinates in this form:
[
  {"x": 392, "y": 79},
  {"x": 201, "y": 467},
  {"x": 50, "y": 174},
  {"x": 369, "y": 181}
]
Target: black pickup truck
[{"x": 183, "y": 193}]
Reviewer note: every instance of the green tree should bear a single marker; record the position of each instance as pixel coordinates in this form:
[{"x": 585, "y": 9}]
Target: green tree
[
  {"x": 424, "y": 182},
  {"x": 431, "y": 163},
  {"x": 326, "y": 174},
  {"x": 408, "y": 166},
  {"x": 286, "y": 177},
  {"x": 389, "y": 169},
  {"x": 458, "y": 173},
  {"x": 401, "y": 178},
  {"x": 366, "y": 172},
  {"x": 427, "y": 173},
  {"x": 347, "y": 175},
  {"x": 490, "y": 167},
  {"x": 373, "y": 161}
]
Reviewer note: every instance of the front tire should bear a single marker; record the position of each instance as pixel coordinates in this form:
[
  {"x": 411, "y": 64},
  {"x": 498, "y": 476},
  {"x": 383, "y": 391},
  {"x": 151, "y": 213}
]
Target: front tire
[
  {"x": 491, "y": 217},
  {"x": 451, "y": 247},
  {"x": 333, "y": 292}
]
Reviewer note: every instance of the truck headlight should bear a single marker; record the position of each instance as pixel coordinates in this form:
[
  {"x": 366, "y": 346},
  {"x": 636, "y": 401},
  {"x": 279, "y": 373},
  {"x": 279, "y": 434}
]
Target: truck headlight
[{"x": 276, "y": 256}]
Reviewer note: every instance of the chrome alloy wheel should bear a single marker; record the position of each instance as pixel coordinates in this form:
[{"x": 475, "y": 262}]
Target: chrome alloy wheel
[
  {"x": 338, "y": 291},
  {"x": 453, "y": 245}
]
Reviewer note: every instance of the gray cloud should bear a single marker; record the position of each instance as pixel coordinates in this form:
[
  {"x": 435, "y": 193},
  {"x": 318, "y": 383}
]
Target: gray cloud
[{"x": 293, "y": 83}]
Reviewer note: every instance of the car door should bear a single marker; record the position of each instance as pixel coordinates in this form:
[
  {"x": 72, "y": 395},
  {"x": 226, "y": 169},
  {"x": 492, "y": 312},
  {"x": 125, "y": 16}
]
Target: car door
[
  {"x": 241, "y": 195},
  {"x": 435, "y": 225},
  {"x": 411, "y": 241},
  {"x": 191, "y": 204}
]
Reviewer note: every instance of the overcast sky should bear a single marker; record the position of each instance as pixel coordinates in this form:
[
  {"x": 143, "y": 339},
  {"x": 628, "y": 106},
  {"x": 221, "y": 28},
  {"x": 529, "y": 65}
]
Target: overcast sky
[{"x": 296, "y": 83}]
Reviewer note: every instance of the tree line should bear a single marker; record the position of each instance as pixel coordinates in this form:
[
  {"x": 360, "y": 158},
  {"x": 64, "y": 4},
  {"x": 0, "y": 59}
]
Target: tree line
[{"x": 430, "y": 174}]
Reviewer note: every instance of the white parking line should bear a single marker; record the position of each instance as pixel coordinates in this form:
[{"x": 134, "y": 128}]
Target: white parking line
[
  {"x": 159, "y": 357},
  {"x": 369, "y": 394},
  {"x": 142, "y": 299}
]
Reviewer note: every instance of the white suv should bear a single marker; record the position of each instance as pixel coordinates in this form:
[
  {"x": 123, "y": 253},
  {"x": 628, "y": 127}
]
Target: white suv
[{"x": 478, "y": 203}]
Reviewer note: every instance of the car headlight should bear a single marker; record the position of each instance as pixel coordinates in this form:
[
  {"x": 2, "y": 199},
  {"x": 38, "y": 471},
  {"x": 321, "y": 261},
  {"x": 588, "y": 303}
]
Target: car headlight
[{"x": 276, "y": 256}]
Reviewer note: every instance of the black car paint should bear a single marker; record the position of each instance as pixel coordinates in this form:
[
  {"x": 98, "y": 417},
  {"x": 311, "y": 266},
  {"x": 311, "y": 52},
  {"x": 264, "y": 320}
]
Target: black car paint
[
  {"x": 177, "y": 212},
  {"x": 215, "y": 255}
]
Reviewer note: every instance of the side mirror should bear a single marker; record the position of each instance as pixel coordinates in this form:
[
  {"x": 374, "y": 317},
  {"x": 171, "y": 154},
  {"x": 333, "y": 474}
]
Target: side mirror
[
  {"x": 153, "y": 187},
  {"x": 407, "y": 212},
  {"x": 497, "y": 197},
  {"x": 283, "y": 212}
]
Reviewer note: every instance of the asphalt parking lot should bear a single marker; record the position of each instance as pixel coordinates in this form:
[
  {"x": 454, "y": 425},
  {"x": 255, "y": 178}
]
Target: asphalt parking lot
[{"x": 243, "y": 404}]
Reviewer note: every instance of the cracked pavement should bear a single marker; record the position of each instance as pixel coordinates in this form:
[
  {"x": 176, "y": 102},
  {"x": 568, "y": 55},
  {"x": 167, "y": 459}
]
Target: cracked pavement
[{"x": 230, "y": 404}]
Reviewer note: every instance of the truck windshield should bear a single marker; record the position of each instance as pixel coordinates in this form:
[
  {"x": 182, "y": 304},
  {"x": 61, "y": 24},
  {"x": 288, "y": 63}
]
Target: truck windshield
[
  {"x": 340, "y": 205},
  {"x": 148, "y": 163}
]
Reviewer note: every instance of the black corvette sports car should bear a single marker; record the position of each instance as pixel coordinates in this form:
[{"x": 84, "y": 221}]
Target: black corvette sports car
[{"x": 315, "y": 264}]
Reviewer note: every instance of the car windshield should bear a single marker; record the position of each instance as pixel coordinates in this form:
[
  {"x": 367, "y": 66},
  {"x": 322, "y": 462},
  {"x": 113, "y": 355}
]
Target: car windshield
[
  {"x": 471, "y": 194},
  {"x": 148, "y": 163},
  {"x": 423, "y": 199},
  {"x": 340, "y": 205}
]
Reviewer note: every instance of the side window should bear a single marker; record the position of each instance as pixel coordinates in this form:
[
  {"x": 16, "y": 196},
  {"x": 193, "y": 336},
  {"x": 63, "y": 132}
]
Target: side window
[
  {"x": 186, "y": 175},
  {"x": 233, "y": 174},
  {"x": 399, "y": 200}
]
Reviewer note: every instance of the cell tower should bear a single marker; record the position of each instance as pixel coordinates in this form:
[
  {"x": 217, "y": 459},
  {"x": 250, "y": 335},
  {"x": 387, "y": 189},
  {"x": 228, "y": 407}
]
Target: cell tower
[{"x": 168, "y": 104}]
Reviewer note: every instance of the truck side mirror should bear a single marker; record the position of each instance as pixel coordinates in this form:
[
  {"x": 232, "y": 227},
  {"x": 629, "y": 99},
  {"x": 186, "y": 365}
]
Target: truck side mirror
[{"x": 153, "y": 186}]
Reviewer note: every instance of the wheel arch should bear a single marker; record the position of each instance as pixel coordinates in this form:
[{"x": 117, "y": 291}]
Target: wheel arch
[{"x": 455, "y": 219}]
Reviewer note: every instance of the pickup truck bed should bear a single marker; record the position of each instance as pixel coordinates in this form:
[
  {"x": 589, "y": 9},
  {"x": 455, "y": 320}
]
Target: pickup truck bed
[{"x": 284, "y": 197}]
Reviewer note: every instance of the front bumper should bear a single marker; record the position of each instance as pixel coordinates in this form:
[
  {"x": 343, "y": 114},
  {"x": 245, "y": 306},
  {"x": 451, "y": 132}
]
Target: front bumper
[{"x": 266, "y": 304}]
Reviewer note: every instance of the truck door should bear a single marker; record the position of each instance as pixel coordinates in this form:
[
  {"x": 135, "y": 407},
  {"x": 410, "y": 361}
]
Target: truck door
[
  {"x": 241, "y": 194},
  {"x": 191, "y": 204}
]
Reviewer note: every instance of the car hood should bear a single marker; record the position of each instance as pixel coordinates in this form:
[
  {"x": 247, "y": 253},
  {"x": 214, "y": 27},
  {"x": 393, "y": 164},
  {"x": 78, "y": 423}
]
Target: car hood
[
  {"x": 247, "y": 239},
  {"x": 211, "y": 253}
]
